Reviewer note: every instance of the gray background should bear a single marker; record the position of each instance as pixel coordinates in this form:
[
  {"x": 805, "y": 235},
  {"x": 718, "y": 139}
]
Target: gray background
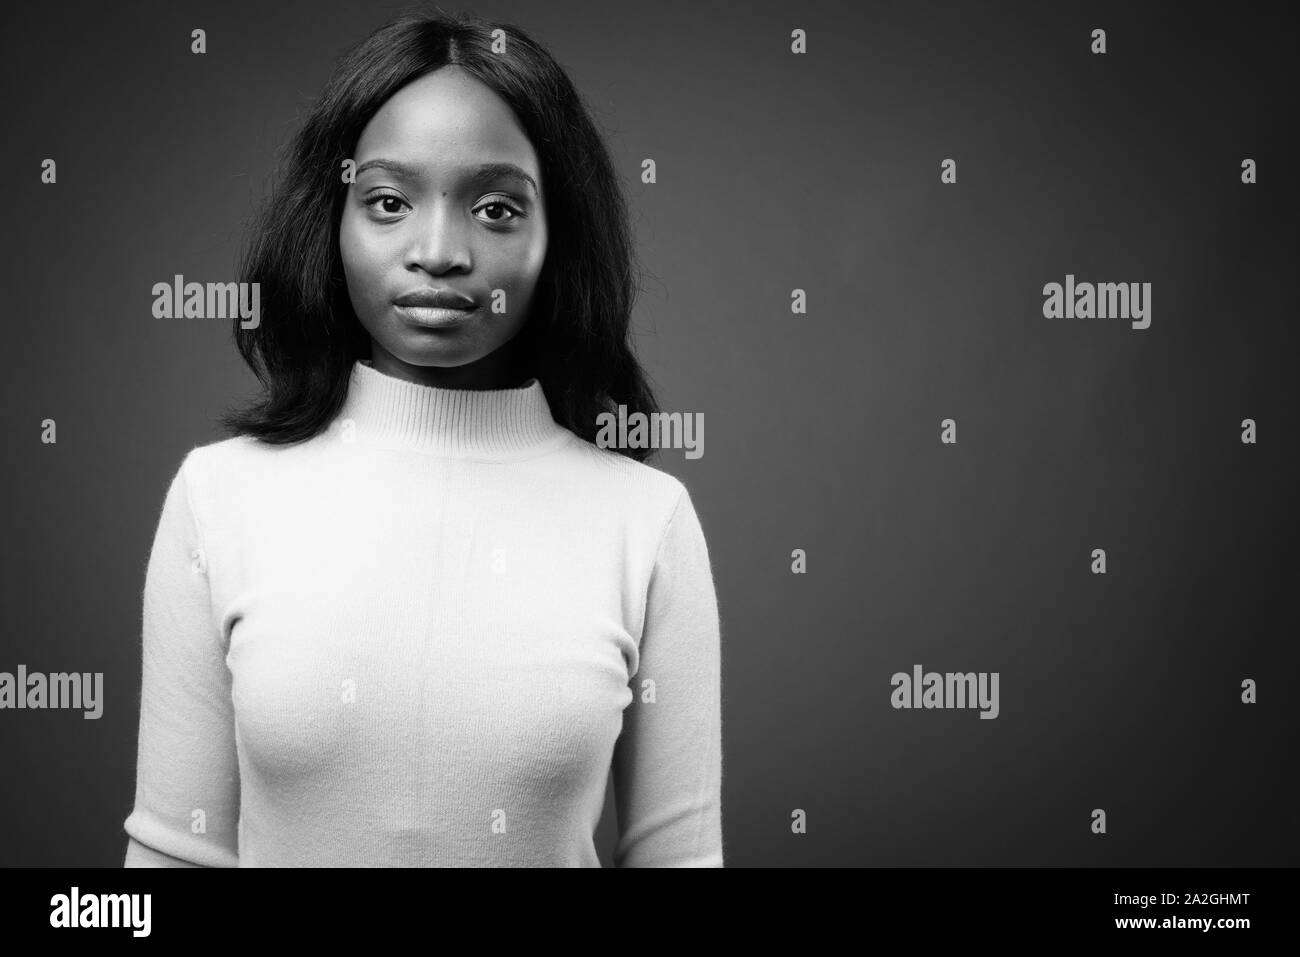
[{"x": 822, "y": 431}]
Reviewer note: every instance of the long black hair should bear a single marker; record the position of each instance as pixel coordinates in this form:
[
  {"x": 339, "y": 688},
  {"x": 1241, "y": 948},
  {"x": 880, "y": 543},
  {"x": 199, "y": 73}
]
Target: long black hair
[{"x": 575, "y": 339}]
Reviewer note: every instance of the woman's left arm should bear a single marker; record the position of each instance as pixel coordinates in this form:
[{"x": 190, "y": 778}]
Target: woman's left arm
[{"x": 668, "y": 760}]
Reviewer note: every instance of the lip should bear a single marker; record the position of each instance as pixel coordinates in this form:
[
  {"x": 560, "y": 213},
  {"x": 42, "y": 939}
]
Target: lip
[
  {"x": 441, "y": 298},
  {"x": 434, "y": 317}
]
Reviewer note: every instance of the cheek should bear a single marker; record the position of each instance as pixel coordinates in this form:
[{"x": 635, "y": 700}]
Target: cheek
[
  {"x": 536, "y": 257},
  {"x": 537, "y": 250},
  {"x": 361, "y": 265},
  {"x": 520, "y": 265}
]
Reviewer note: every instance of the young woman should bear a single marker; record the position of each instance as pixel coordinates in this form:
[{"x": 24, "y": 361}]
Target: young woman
[{"x": 410, "y": 614}]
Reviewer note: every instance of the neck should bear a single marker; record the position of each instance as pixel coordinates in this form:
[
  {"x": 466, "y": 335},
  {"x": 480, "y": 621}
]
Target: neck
[
  {"x": 386, "y": 411},
  {"x": 498, "y": 369}
]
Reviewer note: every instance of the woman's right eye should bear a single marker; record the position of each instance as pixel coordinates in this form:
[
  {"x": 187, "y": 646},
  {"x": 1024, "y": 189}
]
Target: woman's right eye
[{"x": 373, "y": 201}]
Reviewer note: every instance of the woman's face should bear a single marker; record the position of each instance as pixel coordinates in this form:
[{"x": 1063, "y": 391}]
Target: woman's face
[{"x": 436, "y": 208}]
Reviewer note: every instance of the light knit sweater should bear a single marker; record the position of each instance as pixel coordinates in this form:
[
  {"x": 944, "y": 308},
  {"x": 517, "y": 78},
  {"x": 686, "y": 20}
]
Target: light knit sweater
[{"x": 425, "y": 637}]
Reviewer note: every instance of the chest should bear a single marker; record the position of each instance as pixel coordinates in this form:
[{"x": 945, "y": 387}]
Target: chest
[{"x": 422, "y": 648}]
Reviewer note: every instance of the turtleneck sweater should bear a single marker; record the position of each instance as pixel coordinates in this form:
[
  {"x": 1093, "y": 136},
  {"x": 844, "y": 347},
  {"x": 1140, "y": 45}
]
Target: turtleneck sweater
[{"x": 428, "y": 636}]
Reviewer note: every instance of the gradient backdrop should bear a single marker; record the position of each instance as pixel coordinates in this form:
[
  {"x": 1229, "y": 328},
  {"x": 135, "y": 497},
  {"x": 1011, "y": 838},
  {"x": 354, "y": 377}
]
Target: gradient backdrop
[{"x": 776, "y": 172}]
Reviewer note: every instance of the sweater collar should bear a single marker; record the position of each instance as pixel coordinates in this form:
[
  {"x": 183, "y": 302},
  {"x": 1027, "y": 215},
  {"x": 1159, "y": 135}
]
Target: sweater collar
[{"x": 482, "y": 424}]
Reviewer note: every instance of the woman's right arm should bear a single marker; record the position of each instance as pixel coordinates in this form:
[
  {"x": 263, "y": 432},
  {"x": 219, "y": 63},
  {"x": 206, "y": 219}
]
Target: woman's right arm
[
  {"x": 186, "y": 811},
  {"x": 142, "y": 855}
]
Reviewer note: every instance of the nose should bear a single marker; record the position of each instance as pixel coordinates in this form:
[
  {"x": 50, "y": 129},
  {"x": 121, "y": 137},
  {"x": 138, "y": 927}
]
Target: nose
[{"x": 439, "y": 241}]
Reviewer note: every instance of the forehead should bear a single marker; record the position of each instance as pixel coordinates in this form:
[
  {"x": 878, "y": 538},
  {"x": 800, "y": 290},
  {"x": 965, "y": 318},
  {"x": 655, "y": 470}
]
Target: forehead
[{"x": 446, "y": 118}]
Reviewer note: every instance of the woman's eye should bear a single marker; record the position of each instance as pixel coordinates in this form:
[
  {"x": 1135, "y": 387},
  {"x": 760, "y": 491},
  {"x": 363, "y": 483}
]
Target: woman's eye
[
  {"x": 505, "y": 212},
  {"x": 506, "y": 207},
  {"x": 374, "y": 201}
]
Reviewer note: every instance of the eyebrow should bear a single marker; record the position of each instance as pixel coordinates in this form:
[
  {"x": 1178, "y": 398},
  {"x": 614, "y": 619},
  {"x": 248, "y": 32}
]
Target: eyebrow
[{"x": 478, "y": 176}]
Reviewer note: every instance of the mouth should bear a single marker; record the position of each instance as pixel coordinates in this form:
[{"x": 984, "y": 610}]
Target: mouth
[{"x": 434, "y": 317}]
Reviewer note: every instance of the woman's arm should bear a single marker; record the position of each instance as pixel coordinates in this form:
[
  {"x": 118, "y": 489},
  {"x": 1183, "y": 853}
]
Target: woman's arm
[
  {"x": 668, "y": 758},
  {"x": 141, "y": 855},
  {"x": 186, "y": 810}
]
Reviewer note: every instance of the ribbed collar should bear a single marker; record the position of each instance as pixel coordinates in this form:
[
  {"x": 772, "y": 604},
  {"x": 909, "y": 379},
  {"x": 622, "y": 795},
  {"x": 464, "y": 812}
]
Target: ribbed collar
[{"x": 482, "y": 424}]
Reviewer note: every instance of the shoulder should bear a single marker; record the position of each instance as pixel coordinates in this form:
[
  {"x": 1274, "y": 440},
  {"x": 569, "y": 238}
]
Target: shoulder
[
  {"x": 227, "y": 457},
  {"x": 639, "y": 486},
  {"x": 234, "y": 467}
]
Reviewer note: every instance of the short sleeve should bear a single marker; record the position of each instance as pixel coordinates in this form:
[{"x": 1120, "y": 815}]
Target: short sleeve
[
  {"x": 186, "y": 809},
  {"x": 667, "y": 764}
]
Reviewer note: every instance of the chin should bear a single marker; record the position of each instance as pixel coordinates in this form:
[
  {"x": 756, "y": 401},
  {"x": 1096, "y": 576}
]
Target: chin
[{"x": 439, "y": 355}]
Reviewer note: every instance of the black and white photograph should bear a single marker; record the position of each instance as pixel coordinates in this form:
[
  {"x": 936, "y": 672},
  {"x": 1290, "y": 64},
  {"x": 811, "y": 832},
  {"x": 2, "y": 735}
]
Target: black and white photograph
[{"x": 360, "y": 512}]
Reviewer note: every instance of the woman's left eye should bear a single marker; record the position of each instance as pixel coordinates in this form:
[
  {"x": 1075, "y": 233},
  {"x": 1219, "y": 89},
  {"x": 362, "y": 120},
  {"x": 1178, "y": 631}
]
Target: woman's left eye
[{"x": 514, "y": 213}]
